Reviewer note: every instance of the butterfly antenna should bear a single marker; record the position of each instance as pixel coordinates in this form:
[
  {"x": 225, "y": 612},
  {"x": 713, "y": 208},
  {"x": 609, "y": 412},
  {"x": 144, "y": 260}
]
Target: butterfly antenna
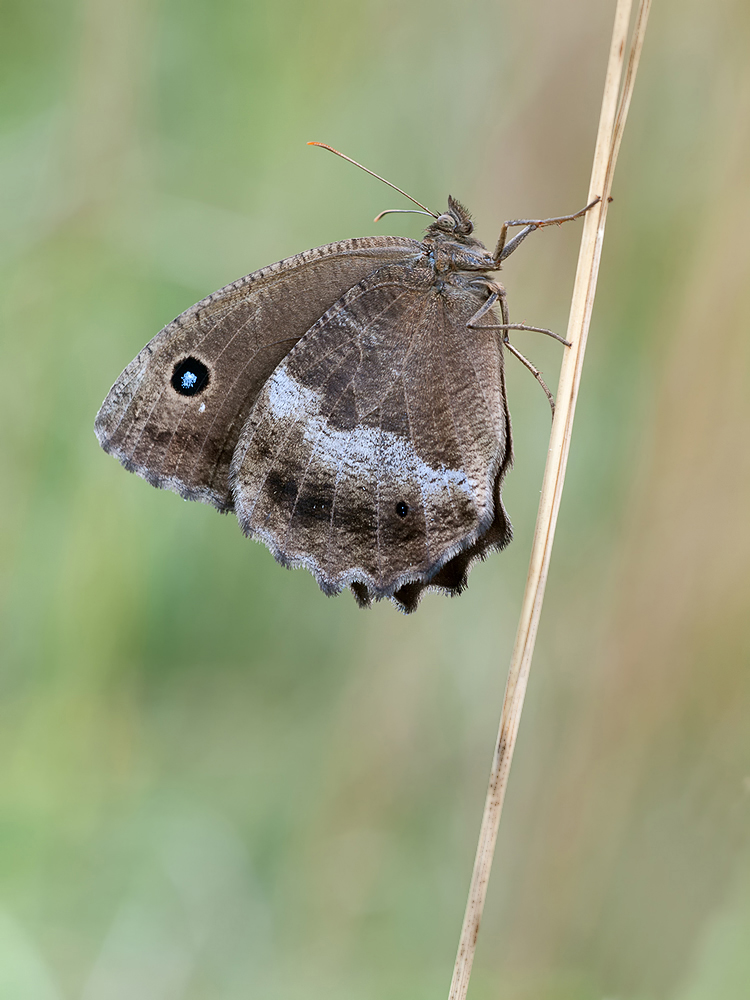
[
  {"x": 401, "y": 211},
  {"x": 373, "y": 174}
]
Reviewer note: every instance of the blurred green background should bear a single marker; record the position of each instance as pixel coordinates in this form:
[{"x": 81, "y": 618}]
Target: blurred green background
[{"x": 217, "y": 783}]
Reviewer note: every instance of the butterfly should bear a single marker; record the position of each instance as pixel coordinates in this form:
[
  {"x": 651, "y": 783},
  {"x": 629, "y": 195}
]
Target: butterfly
[{"x": 347, "y": 403}]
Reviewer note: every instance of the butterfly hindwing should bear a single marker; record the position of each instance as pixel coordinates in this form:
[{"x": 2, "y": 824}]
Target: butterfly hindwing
[
  {"x": 176, "y": 412},
  {"x": 374, "y": 453}
]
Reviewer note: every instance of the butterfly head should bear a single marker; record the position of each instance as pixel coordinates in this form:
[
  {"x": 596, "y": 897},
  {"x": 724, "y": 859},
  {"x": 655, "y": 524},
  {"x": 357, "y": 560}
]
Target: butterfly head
[
  {"x": 455, "y": 223},
  {"x": 455, "y": 227}
]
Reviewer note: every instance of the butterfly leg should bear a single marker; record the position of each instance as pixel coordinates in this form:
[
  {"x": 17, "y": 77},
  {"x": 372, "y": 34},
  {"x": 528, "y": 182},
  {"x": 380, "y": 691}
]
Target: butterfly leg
[
  {"x": 534, "y": 371},
  {"x": 498, "y": 294},
  {"x": 505, "y": 249},
  {"x": 532, "y": 329}
]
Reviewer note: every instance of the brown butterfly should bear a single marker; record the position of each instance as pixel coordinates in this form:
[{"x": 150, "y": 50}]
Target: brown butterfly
[{"x": 347, "y": 403}]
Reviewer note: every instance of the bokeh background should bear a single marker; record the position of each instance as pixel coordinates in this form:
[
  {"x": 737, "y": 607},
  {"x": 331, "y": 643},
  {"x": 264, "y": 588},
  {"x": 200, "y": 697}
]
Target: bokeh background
[{"x": 217, "y": 783}]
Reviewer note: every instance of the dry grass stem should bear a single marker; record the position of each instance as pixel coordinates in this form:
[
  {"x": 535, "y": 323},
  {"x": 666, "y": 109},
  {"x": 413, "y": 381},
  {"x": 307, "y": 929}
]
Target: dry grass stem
[{"x": 615, "y": 104}]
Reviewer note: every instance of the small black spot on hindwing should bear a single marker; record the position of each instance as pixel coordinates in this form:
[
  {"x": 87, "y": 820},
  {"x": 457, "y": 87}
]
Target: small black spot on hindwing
[
  {"x": 283, "y": 490},
  {"x": 315, "y": 502}
]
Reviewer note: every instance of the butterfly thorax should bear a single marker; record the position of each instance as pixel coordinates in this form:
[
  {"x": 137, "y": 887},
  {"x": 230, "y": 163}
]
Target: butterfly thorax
[{"x": 451, "y": 256}]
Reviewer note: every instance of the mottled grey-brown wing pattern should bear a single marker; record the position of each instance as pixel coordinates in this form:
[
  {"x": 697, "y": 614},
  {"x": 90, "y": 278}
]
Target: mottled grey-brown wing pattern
[
  {"x": 375, "y": 451},
  {"x": 240, "y": 334}
]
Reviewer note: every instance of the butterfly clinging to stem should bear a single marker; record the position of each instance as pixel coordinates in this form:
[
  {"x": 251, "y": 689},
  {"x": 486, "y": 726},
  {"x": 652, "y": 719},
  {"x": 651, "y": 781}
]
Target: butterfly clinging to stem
[{"x": 347, "y": 403}]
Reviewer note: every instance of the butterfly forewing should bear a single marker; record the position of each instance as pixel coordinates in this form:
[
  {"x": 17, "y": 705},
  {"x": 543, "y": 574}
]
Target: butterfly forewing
[
  {"x": 374, "y": 452},
  {"x": 175, "y": 414}
]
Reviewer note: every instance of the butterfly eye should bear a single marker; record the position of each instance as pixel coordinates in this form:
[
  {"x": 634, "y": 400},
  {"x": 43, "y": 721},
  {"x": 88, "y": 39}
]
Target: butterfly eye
[
  {"x": 190, "y": 376},
  {"x": 446, "y": 221}
]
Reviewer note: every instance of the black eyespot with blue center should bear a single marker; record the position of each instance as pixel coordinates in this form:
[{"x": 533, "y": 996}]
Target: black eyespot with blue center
[
  {"x": 189, "y": 377},
  {"x": 402, "y": 509}
]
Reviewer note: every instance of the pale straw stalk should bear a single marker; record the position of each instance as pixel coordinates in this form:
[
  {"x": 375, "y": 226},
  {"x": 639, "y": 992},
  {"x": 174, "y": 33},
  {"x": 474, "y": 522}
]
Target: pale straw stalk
[{"x": 615, "y": 104}]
